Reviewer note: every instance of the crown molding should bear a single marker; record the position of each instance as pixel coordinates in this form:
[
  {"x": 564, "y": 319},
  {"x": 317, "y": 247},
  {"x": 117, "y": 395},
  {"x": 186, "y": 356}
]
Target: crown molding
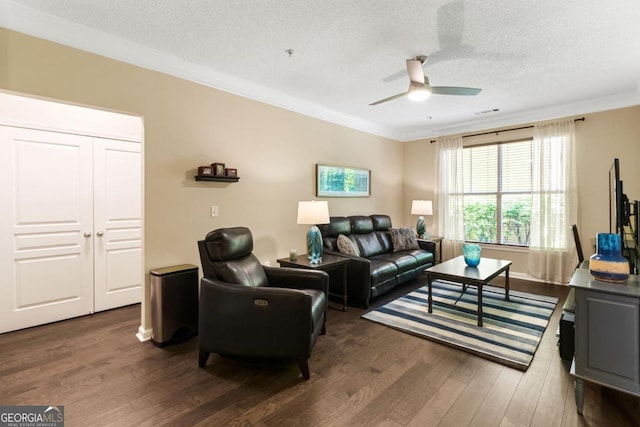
[
  {"x": 612, "y": 102},
  {"x": 29, "y": 21},
  {"x": 23, "y": 19}
]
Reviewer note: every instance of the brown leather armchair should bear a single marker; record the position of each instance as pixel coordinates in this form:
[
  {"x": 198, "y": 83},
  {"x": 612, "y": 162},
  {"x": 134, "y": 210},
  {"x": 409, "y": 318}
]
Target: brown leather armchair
[{"x": 251, "y": 310}]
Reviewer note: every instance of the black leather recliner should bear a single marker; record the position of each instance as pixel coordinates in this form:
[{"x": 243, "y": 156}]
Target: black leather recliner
[{"x": 251, "y": 310}]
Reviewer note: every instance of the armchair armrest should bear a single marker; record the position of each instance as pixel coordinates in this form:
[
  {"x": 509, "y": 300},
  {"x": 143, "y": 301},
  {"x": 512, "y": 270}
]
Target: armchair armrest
[
  {"x": 245, "y": 320},
  {"x": 297, "y": 278}
]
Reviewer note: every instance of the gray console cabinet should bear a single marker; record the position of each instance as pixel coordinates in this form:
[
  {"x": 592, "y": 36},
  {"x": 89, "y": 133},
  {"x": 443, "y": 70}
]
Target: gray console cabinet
[{"x": 607, "y": 334}]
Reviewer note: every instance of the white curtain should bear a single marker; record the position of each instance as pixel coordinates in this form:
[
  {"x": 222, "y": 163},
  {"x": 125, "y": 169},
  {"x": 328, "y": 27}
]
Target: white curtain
[
  {"x": 449, "y": 195},
  {"x": 554, "y": 201}
]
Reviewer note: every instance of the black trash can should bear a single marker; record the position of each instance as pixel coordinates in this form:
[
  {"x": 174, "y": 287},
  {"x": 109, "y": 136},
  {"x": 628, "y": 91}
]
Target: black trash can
[{"x": 174, "y": 304}]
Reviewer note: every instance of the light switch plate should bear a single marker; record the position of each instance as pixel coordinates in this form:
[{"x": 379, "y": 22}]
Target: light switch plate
[{"x": 214, "y": 211}]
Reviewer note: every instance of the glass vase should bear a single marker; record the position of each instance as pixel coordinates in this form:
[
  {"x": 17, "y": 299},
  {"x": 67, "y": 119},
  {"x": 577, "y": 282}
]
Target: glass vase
[
  {"x": 314, "y": 245},
  {"x": 471, "y": 253},
  {"x": 608, "y": 264}
]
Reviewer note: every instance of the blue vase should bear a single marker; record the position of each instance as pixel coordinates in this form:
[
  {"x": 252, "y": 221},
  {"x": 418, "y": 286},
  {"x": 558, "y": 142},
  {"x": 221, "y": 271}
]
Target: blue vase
[
  {"x": 471, "y": 253},
  {"x": 608, "y": 264},
  {"x": 314, "y": 245}
]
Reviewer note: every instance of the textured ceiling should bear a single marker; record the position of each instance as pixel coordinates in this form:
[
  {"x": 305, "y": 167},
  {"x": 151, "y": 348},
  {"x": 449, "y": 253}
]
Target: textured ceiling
[{"x": 533, "y": 60}]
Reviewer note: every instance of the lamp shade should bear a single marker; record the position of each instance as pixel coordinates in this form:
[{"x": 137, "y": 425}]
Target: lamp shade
[
  {"x": 422, "y": 207},
  {"x": 313, "y": 212}
]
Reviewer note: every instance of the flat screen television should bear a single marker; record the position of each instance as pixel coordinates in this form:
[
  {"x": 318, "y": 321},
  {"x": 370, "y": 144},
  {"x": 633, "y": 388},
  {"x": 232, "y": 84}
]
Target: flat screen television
[
  {"x": 616, "y": 200},
  {"x": 624, "y": 218}
]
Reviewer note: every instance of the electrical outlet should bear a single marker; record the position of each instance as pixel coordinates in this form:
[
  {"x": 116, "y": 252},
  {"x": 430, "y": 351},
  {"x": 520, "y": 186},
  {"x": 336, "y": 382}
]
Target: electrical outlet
[{"x": 214, "y": 211}]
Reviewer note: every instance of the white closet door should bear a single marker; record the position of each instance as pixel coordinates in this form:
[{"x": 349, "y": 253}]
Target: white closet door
[
  {"x": 117, "y": 223},
  {"x": 46, "y": 236}
]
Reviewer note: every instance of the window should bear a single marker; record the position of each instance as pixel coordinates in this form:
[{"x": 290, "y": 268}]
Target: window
[{"x": 497, "y": 193}]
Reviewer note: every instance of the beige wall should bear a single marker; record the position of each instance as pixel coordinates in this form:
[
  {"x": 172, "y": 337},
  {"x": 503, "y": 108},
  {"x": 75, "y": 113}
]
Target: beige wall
[
  {"x": 599, "y": 139},
  {"x": 188, "y": 125},
  {"x": 274, "y": 150}
]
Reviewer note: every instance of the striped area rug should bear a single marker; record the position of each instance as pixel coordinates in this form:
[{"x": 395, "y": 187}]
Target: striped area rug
[{"x": 512, "y": 329}]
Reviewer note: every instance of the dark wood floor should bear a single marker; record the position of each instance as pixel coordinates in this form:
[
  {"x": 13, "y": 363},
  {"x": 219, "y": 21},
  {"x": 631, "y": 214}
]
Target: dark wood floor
[{"x": 362, "y": 374}]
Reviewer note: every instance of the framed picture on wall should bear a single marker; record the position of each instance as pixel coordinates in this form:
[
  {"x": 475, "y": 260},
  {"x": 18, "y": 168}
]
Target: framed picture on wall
[{"x": 340, "y": 181}]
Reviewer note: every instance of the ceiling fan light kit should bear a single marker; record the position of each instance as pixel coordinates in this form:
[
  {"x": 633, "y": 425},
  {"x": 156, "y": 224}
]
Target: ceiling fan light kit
[{"x": 418, "y": 94}]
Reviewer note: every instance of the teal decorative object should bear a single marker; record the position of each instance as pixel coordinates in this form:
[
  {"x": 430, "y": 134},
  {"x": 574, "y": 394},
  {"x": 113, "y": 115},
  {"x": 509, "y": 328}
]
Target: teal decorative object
[
  {"x": 421, "y": 207},
  {"x": 314, "y": 245},
  {"x": 471, "y": 253},
  {"x": 313, "y": 213},
  {"x": 608, "y": 264},
  {"x": 421, "y": 228}
]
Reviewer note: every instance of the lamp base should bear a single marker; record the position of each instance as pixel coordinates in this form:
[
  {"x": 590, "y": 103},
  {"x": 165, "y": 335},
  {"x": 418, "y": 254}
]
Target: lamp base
[
  {"x": 314, "y": 245},
  {"x": 421, "y": 228}
]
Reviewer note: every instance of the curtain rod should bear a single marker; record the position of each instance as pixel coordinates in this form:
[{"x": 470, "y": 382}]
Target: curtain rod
[{"x": 581, "y": 119}]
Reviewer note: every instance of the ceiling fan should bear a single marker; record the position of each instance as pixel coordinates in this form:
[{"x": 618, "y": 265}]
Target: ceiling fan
[{"x": 419, "y": 88}]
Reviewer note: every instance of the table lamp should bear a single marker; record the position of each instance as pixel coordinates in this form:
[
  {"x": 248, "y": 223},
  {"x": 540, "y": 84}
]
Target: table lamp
[
  {"x": 421, "y": 207},
  {"x": 314, "y": 212}
]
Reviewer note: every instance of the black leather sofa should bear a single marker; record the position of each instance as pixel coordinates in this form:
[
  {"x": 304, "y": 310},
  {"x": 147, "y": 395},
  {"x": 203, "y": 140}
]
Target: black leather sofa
[{"x": 379, "y": 268}]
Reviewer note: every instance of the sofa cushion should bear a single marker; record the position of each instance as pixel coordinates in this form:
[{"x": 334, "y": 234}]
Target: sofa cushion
[
  {"x": 403, "y": 239},
  {"x": 330, "y": 232},
  {"x": 347, "y": 246},
  {"x": 337, "y": 225},
  {"x": 423, "y": 258},
  {"x": 368, "y": 243},
  {"x": 361, "y": 224},
  {"x": 382, "y": 271},
  {"x": 404, "y": 261},
  {"x": 385, "y": 240},
  {"x": 381, "y": 222}
]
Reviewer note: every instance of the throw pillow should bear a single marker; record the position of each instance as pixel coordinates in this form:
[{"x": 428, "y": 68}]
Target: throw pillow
[
  {"x": 403, "y": 239},
  {"x": 346, "y": 246}
]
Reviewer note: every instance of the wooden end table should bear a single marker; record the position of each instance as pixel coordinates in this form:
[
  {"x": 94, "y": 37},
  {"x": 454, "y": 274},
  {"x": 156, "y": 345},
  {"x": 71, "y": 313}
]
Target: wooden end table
[
  {"x": 456, "y": 270},
  {"x": 335, "y": 266}
]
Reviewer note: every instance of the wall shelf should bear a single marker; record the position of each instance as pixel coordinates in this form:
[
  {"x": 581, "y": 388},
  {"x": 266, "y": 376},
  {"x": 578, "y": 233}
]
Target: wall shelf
[{"x": 217, "y": 178}]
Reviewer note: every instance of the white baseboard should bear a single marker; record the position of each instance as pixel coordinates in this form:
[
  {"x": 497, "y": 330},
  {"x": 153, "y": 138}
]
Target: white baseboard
[
  {"x": 525, "y": 276},
  {"x": 144, "y": 334}
]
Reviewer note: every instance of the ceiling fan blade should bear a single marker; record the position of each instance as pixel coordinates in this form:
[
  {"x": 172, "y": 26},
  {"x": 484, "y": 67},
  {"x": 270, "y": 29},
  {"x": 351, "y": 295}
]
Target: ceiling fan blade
[
  {"x": 450, "y": 26},
  {"x": 395, "y": 76},
  {"x": 453, "y": 90},
  {"x": 391, "y": 98},
  {"x": 416, "y": 73}
]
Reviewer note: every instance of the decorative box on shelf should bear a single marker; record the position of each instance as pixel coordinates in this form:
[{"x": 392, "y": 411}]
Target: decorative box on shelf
[
  {"x": 218, "y": 169},
  {"x": 205, "y": 171},
  {"x": 217, "y": 172}
]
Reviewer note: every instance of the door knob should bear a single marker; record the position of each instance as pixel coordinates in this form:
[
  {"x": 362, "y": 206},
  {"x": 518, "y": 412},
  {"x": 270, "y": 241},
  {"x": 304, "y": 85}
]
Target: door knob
[
  {"x": 99, "y": 233},
  {"x": 87, "y": 234}
]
